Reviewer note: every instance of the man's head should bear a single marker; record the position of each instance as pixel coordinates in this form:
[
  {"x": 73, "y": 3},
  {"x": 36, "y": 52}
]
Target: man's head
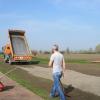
[{"x": 55, "y": 48}]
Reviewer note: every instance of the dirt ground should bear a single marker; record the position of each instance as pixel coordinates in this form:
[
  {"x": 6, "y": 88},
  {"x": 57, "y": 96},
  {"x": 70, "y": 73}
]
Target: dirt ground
[
  {"x": 89, "y": 69},
  {"x": 88, "y": 81},
  {"x": 13, "y": 91},
  {"x": 75, "y": 93}
]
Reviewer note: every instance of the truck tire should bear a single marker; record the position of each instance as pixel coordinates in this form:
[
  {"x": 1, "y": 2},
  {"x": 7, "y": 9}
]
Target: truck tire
[{"x": 10, "y": 62}]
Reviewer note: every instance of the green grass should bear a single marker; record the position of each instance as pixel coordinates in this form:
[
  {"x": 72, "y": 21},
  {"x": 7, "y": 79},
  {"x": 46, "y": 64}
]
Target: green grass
[
  {"x": 79, "y": 61},
  {"x": 39, "y": 86},
  {"x": 1, "y": 55},
  {"x": 41, "y": 60},
  {"x": 1, "y": 62},
  {"x": 45, "y": 60}
]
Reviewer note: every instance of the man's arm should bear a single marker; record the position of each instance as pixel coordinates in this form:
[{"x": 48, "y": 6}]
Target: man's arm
[
  {"x": 50, "y": 63},
  {"x": 63, "y": 67}
]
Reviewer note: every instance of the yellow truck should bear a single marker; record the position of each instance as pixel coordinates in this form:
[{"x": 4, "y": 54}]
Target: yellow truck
[{"x": 17, "y": 50}]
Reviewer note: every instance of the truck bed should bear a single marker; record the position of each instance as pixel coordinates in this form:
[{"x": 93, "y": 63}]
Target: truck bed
[{"x": 19, "y": 44}]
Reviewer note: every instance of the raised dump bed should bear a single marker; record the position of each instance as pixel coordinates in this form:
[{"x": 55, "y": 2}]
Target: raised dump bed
[{"x": 18, "y": 46}]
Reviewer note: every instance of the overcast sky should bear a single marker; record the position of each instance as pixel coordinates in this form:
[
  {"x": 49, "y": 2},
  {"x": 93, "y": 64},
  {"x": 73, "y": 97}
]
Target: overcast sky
[{"x": 69, "y": 23}]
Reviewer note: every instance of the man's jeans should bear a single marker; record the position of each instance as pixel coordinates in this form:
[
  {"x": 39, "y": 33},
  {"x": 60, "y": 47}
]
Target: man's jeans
[
  {"x": 7, "y": 57},
  {"x": 57, "y": 86}
]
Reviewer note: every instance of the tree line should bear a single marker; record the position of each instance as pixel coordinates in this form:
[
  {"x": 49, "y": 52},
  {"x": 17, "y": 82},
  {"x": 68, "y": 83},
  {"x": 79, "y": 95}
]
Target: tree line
[
  {"x": 96, "y": 50},
  {"x": 68, "y": 51}
]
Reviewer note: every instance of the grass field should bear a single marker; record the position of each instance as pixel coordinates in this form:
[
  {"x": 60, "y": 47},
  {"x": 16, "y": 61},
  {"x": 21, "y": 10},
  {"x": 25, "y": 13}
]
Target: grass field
[
  {"x": 69, "y": 58},
  {"x": 1, "y": 55},
  {"x": 78, "y": 62},
  {"x": 39, "y": 86},
  {"x": 42, "y": 86}
]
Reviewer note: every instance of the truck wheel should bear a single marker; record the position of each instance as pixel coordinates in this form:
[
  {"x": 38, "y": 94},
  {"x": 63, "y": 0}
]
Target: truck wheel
[
  {"x": 5, "y": 61},
  {"x": 4, "y": 56},
  {"x": 10, "y": 62}
]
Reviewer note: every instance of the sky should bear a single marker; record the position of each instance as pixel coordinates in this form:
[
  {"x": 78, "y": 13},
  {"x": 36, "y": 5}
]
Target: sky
[{"x": 71, "y": 24}]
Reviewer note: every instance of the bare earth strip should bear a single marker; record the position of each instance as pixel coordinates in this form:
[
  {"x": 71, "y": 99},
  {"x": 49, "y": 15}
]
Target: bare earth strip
[
  {"x": 87, "y": 83},
  {"x": 15, "y": 91}
]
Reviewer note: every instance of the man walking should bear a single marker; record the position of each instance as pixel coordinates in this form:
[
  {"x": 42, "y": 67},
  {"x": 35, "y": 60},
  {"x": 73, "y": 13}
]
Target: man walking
[{"x": 58, "y": 64}]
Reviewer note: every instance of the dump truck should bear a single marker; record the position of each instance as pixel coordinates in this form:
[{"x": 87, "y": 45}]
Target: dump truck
[{"x": 17, "y": 50}]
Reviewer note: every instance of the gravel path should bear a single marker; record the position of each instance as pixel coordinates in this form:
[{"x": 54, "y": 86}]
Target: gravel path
[
  {"x": 15, "y": 91},
  {"x": 81, "y": 81}
]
